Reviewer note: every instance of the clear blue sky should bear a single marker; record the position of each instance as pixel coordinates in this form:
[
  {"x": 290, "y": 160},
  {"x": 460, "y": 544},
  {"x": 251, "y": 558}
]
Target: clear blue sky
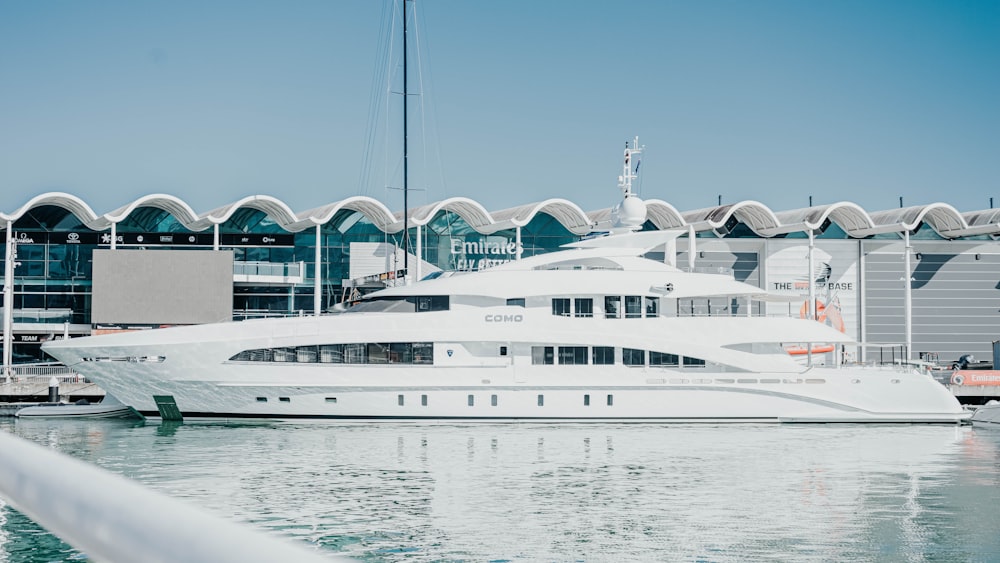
[{"x": 771, "y": 100}]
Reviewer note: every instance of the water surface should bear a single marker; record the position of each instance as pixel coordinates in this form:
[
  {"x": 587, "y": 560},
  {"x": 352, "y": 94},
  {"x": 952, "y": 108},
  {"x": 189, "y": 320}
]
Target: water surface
[{"x": 588, "y": 492}]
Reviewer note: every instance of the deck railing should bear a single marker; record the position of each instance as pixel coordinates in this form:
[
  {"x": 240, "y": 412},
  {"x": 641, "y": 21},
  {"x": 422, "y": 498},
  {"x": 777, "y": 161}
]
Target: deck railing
[{"x": 111, "y": 518}]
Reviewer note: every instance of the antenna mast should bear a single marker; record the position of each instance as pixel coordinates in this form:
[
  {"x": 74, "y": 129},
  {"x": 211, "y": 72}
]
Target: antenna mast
[
  {"x": 628, "y": 174},
  {"x": 406, "y": 156}
]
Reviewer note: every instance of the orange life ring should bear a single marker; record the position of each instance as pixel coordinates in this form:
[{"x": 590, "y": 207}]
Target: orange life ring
[{"x": 957, "y": 378}]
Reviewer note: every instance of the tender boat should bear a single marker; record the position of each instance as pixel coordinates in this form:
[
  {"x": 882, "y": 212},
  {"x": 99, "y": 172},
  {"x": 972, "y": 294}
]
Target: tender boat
[
  {"x": 987, "y": 415},
  {"x": 108, "y": 408},
  {"x": 594, "y": 332}
]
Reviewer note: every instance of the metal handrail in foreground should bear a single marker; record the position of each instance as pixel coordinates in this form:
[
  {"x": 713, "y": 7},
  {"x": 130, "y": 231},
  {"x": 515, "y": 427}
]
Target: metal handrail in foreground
[{"x": 111, "y": 518}]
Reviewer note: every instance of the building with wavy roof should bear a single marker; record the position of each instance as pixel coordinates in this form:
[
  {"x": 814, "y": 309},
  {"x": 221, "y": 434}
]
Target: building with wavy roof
[{"x": 283, "y": 262}]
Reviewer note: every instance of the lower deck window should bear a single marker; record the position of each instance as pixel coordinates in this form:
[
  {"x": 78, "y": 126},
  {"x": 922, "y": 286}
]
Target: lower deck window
[
  {"x": 359, "y": 353},
  {"x": 542, "y": 355},
  {"x": 662, "y": 359},
  {"x": 604, "y": 355},
  {"x": 572, "y": 355},
  {"x": 633, "y": 357},
  {"x": 693, "y": 362}
]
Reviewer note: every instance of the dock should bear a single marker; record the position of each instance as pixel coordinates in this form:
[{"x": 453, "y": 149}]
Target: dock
[{"x": 27, "y": 391}]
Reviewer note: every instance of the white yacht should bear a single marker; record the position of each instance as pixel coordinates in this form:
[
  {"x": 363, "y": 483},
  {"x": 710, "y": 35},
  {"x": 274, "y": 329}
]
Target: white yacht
[{"x": 588, "y": 333}]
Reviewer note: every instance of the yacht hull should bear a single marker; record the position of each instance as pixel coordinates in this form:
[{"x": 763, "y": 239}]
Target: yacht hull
[{"x": 512, "y": 392}]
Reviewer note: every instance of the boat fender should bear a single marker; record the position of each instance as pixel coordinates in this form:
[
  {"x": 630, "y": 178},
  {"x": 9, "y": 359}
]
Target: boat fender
[{"x": 957, "y": 379}]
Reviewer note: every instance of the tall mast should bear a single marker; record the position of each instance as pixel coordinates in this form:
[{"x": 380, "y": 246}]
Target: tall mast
[{"x": 406, "y": 156}]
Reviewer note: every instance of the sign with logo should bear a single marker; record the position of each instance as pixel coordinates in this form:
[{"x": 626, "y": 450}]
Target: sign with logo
[
  {"x": 256, "y": 239},
  {"x": 158, "y": 239},
  {"x": 834, "y": 277},
  {"x": 74, "y": 238},
  {"x": 482, "y": 253}
]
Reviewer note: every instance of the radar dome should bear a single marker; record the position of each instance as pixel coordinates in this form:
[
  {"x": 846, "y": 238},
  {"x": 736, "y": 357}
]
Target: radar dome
[{"x": 630, "y": 213}]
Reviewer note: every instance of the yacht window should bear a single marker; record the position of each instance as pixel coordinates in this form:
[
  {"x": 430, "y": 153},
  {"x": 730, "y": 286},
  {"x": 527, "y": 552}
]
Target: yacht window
[
  {"x": 542, "y": 355},
  {"x": 261, "y": 399},
  {"x": 472, "y": 400},
  {"x": 633, "y": 307},
  {"x": 367, "y": 353},
  {"x": 423, "y": 353},
  {"x": 401, "y": 353},
  {"x": 652, "y": 306},
  {"x": 331, "y": 399},
  {"x": 493, "y": 400},
  {"x": 423, "y": 400},
  {"x": 516, "y": 302},
  {"x": 503, "y": 350},
  {"x": 586, "y": 400},
  {"x": 355, "y": 354},
  {"x": 378, "y": 353},
  {"x": 662, "y": 359},
  {"x": 331, "y": 354},
  {"x": 560, "y": 307},
  {"x": 285, "y": 399},
  {"x": 611, "y": 400},
  {"x": 612, "y": 306},
  {"x": 633, "y": 357},
  {"x": 264, "y": 355},
  {"x": 399, "y": 399},
  {"x": 541, "y": 400},
  {"x": 426, "y": 303},
  {"x": 284, "y": 354},
  {"x": 572, "y": 355},
  {"x": 604, "y": 355},
  {"x": 584, "y": 307},
  {"x": 306, "y": 354},
  {"x": 693, "y": 362}
]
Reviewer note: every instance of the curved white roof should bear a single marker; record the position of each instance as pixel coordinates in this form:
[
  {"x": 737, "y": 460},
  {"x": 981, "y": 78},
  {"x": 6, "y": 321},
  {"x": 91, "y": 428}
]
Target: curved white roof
[
  {"x": 470, "y": 210},
  {"x": 373, "y": 209},
  {"x": 566, "y": 212},
  {"x": 171, "y": 204},
  {"x": 69, "y": 202},
  {"x": 755, "y": 215},
  {"x": 852, "y": 218}
]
